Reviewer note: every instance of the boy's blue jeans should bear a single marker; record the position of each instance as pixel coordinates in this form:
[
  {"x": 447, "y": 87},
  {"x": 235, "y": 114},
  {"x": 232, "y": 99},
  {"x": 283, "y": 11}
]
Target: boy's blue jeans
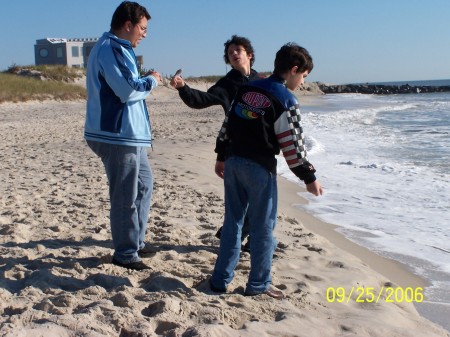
[
  {"x": 130, "y": 191},
  {"x": 249, "y": 189}
]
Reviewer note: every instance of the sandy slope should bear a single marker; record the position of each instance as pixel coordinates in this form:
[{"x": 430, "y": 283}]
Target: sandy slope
[{"x": 55, "y": 243}]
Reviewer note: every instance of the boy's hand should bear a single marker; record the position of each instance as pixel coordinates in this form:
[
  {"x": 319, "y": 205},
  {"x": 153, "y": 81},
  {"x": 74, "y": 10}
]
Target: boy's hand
[
  {"x": 177, "y": 82},
  {"x": 220, "y": 168},
  {"x": 315, "y": 188}
]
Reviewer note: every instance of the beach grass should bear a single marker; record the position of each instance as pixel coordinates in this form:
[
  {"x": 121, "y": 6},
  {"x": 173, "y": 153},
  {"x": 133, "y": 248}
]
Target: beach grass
[
  {"x": 27, "y": 83},
  {"x": 20, "y": 84},
  {"x": 51, "y": 72}
]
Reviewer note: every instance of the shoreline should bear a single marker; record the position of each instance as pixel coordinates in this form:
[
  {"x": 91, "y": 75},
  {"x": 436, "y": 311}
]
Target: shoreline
[
  {"x": 399, "y": 273},
  {"x": 55, "y": 244}
]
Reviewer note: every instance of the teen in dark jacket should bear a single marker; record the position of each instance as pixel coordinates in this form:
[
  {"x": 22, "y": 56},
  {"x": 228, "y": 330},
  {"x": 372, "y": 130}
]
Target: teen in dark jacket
[{"x": 240, "y": 55}]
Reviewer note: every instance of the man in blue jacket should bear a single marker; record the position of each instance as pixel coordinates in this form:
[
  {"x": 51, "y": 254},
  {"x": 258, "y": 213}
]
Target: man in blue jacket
[{"x": 118, "y": 129}]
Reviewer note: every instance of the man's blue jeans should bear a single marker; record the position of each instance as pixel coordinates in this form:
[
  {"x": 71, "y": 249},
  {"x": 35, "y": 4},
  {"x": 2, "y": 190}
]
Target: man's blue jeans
[
  {"x": 130, "y": 191},
  {"x": 249, "y": 189}
]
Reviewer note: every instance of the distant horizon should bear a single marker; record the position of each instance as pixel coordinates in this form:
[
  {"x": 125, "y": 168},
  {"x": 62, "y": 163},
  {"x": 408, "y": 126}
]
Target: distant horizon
[
  {"x": 351, "y": 42},
  {"x": 408, "y": 81},
  {"x": 396, "y": 82}
]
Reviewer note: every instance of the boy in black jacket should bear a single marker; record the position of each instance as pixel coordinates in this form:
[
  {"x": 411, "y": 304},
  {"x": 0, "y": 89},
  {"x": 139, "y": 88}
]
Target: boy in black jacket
[
  {"x": 264, "y": 119},
  {"x": 238, "y": 53}
]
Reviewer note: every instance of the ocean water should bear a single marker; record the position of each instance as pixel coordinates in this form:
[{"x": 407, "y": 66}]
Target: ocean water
[{"x": 384, "y": 162}]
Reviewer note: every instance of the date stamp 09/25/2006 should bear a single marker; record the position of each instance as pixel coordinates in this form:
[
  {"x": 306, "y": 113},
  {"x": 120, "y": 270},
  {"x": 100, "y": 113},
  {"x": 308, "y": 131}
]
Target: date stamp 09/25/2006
[{"x": 371, "y": 295}]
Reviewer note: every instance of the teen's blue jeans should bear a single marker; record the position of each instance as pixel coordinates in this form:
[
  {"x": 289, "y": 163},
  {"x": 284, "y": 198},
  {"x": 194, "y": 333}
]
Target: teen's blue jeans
[
  {"x": 130, "y": 191},
  {"x": 249, "y": 189}
]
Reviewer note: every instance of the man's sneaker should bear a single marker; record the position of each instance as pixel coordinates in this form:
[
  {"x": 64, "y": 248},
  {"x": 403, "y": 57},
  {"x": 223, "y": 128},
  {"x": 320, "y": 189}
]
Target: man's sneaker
[
  {"x": 139, "y": 265},
  {"x": 147, "y": 251}
]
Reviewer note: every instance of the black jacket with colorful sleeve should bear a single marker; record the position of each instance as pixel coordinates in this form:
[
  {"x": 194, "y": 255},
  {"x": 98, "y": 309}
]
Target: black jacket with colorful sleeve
[{"x": 263, "y": 119}]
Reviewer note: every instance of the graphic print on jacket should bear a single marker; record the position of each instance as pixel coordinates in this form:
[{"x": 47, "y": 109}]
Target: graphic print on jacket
[{"x": 253, "y": 102}]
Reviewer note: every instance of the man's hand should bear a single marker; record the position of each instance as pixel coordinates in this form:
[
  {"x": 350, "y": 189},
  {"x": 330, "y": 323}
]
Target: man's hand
[{"x": 155, "y": 74}]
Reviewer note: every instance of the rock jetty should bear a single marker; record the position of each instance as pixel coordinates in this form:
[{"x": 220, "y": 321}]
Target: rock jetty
[{"x": 379, "y": 89}]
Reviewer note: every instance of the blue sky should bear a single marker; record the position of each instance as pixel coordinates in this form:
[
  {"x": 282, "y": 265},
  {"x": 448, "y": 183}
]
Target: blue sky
[{"x": 350, "y": 40}]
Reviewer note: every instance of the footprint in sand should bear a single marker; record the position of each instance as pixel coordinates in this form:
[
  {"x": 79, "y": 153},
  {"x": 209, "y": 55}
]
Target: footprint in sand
[
  {"x": 313, "y": 278},
  {"x": 335, "y": 264}
]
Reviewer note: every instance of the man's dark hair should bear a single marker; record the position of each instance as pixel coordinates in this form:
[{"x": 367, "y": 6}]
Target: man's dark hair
[
  {"x": 291, "y": 55},
  {"x": 240, "y": 41},
  {"x": 128, "y": 11}
]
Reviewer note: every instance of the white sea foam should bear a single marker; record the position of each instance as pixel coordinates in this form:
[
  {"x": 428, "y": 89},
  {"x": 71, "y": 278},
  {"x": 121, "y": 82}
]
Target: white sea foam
[{"x": 383, "y": 161}]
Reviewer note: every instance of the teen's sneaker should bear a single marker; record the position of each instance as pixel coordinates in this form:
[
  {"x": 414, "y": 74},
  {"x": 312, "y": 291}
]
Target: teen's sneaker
[
  {"x": 219, "y": 233},
  {"x": 246, "y": 248},
  {"x": 215, "y": 289},
  {"x": 272, "y": 292}
]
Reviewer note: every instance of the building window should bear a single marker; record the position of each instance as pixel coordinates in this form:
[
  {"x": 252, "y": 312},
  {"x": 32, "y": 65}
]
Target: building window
[
  {"x": 59, "y": 52},
  {"x": 75, "y": 51},
  {"x": 88, "y": 51},
  {"x": 43, "y": 52}
]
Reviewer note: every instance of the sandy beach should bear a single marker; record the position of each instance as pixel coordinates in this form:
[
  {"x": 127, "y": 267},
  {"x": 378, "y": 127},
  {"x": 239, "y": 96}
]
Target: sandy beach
[{"x": 55, "y": 244}]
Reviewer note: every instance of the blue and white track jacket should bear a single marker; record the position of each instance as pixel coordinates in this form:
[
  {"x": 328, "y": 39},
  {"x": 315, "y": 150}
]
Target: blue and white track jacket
[{"x": 116, "y": 111}]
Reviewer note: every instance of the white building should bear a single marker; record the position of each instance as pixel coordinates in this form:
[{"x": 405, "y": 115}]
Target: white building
[{"x": 69, "y": 52}]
